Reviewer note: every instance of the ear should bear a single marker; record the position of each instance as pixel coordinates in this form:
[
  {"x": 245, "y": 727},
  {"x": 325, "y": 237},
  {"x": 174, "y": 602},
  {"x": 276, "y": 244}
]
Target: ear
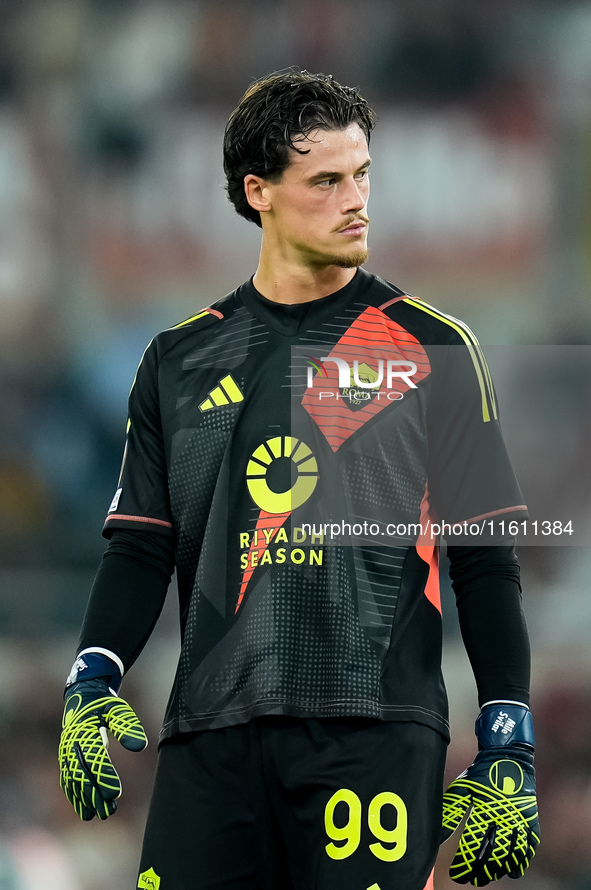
[{"x": 257, "y": 192}]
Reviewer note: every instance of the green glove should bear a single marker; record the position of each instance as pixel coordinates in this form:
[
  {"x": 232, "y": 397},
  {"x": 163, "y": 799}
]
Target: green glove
[
  {"x": 87, "y": 776},
  {"x": 497, "y": 794}
]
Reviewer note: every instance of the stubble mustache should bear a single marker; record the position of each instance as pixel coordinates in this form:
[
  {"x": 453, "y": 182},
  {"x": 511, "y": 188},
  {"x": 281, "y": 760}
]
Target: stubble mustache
[{"x": 358, "y": 217}]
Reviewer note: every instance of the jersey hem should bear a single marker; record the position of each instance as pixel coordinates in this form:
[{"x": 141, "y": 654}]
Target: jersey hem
[{"x": 369, "y": 710}]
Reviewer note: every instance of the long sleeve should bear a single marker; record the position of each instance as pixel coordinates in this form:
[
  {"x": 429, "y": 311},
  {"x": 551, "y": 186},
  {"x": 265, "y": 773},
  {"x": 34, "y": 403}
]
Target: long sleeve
[
  {"x": 487, "y": 586},
  {"x": 128, "y": 593}
]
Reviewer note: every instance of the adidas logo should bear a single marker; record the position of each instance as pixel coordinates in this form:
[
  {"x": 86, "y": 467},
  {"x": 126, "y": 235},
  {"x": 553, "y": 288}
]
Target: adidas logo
[{"x": 226, "y": 392}]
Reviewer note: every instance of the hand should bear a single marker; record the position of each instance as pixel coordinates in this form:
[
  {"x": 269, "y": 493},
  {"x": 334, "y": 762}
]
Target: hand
[
  {"x": 87, "y": 776},
  {"x": 497, "y": 794}
]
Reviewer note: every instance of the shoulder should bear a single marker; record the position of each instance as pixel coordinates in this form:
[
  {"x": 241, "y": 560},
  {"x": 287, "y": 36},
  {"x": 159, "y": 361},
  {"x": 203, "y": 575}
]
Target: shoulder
[
  {"x": 199, "y": 326},
  {"x": 439, "y": 326},
  {"x": 193, "y": 330},
  {"x": 430, "y": 325}
]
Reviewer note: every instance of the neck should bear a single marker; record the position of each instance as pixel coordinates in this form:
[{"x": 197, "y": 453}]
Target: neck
[{"x": 288, "y": 282}]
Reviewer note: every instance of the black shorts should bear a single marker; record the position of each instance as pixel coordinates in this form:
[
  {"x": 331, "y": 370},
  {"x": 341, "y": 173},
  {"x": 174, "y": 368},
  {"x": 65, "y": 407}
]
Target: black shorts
[{"x": 285, "y": 804}]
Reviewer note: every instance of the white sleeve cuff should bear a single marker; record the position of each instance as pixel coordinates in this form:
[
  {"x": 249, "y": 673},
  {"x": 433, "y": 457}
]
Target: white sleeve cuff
[{"x": 505, "y": 701}]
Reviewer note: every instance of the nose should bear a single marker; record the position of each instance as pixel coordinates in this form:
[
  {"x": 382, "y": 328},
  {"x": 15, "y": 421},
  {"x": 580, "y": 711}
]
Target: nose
[{"x": 355, "y": 195}]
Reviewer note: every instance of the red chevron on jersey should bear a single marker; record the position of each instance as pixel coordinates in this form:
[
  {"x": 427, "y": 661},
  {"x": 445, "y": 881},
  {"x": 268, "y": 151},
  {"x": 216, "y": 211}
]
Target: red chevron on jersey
[
  {"x": 374, "y": 346},
  {"x": 428, "y": 550}
]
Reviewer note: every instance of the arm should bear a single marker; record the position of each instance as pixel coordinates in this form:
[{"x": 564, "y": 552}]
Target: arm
[
  {"x": 471, "y": 480},
  {"x": 128, "y": 593},
  {"x": 126, "y": 600},
  {"x": 497, "y": 792},
  {"x": 487, "y": 586}
]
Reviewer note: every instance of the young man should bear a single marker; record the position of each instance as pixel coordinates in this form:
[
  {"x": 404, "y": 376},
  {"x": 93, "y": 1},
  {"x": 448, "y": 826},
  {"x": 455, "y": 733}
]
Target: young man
[{"x": 289, "y": 450}]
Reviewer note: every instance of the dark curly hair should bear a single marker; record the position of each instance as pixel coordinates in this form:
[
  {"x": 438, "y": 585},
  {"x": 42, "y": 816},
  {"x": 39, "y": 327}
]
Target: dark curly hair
[{"x": 273, "y": 114}]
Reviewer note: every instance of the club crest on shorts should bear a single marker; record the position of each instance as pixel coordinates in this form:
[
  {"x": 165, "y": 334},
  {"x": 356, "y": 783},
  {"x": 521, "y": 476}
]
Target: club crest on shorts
[{"x": 148, "y": 880}]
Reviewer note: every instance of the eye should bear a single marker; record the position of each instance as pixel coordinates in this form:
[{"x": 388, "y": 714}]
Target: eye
[
  {"x": 363, "y": 174},
  {"x": 326, "y": 183}
]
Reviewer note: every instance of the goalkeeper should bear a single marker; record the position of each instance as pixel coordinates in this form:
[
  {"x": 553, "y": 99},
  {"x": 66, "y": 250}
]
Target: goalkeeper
[{"x": 304, "y": 741}]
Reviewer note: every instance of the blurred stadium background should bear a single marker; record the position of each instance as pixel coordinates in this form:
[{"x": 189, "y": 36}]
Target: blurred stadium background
[{"x": 114, "y": 224}]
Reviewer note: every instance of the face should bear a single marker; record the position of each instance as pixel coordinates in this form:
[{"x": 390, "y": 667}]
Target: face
[{"x": 318, "y": 210}]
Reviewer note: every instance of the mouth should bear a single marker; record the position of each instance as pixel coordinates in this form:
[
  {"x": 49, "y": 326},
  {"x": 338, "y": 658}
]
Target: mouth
[{"x": 356, "y": 228}]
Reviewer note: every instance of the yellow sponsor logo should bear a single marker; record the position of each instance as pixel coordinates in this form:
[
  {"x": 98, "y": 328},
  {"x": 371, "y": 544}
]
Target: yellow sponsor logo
[
  {"x": 258, "y": 552},
  {"x": 265, "y": 459}
]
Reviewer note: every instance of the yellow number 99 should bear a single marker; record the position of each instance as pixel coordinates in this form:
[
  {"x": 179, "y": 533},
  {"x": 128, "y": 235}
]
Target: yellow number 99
[
  {"x": 349, "y": 833},
  {"x": 397, "y": 835}
]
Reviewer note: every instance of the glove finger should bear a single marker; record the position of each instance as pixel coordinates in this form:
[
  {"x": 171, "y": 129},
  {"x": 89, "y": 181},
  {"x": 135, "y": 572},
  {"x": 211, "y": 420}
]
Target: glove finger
[
  {"x": 105, "y": 809},
  {"x": 90, "y": 802},
  {"x": 99, "y": 779},
  {"x": 65, "y": 777},
  {"x": 83, "y": 751},
  {"x": 517, "y": 869},
  {"x": 517, "y": 859},
  {"x": 488, "y": 870},
  {"x": 457, "y": 800},
  {"x": 87, "y": 808},
  {"x": 509, "y": 848},
  {"x": 509, "y": 852},
  {"x": 508, "y": 856},
  {"x": 521, "y": 859},
  {"x": 125, "y": 725},
  {"x": 68, "y": 786},
  {"x": 86, "y": 813},
  {"x": 472, "y": 858},
  {"x": 84, "y": 808},
  {"x": 518, "y": 866},
  {"x": 72, "y": 779}
]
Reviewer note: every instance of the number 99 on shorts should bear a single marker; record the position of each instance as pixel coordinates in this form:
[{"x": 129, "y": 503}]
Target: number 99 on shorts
[{"x": 390, "y": 843}]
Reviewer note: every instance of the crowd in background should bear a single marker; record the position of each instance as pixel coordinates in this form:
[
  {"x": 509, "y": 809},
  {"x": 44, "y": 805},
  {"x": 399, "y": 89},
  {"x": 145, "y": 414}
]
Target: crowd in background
[{"x": 114, "y": 224}]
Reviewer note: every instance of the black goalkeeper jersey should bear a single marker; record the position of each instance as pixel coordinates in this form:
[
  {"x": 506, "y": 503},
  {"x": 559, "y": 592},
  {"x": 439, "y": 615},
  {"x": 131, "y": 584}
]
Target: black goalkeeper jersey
[{"x": 297, "y": 455}]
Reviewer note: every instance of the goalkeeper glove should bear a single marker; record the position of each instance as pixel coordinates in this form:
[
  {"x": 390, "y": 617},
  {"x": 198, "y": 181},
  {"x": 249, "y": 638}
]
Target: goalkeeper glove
[
  {"x": 497, "y": 793},
  {"x": 87, "y": 776}
]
